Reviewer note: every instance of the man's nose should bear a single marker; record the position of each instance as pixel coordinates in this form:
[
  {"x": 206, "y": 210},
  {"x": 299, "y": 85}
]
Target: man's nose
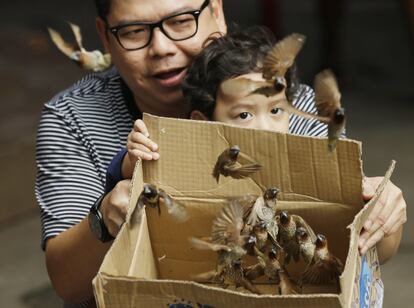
[{"x": 161, "y": 45}]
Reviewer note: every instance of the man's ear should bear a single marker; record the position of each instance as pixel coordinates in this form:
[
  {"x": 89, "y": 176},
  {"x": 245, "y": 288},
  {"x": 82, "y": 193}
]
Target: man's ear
[
  {"x": 198, "y": 115},
  {"x": 103, "y": 33},
  {"x": 217, "y": 6}
]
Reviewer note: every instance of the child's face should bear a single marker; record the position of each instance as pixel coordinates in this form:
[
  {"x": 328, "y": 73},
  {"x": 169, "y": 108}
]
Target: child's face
[{"x": 254, "y": 111}]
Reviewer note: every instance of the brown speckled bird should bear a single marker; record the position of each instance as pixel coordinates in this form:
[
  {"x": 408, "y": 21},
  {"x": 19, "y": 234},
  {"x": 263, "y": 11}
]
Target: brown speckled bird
[
  {"x": 227, "y": 241},
  {"x": 324, "y": 268},
  {"x": 288, "y": 224},
  {"x": 151, "y": 196},
  {"x": 275, "y": 65},
  {"x": 328, "y": 104},
  {"x": 264, "y": 210},
  {"x": 227, "y": 164},
  {"x": 88, "y": 60},
  {"x": 306, "y": 244}
]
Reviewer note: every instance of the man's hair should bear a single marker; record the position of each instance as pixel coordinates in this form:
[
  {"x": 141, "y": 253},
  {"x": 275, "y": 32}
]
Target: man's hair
[
  {"x": 102, "y": 8},
  {"x": 237, "y": 53}
]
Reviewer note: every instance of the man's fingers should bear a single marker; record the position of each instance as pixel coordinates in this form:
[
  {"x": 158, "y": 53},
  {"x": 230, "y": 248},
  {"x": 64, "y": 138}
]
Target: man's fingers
[
  {"x": 137, "y": 153},
  {"x": 136, "y": 137},
  {"x": 139, "y": 126},
  {"x": 372, "y": 240}
]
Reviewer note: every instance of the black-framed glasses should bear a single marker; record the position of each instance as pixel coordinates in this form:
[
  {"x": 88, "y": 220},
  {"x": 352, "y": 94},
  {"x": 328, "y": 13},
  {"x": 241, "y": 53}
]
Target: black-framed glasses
[{"x": 177, "y": 27}]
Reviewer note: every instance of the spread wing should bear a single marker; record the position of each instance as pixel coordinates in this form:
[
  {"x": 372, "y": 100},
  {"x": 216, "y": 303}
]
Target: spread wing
[
  {"x": 78, "y": 36},
  {"x": 228, "y": 225},
  {"x": 204, "y": 245},
  {"x": 238, "y": 171},
  {"x": 327, "y": 95},
  {"x": 174, "y": 208},
  {"x": 323, "y": 271},
  {"x": 67, "y": 48},
  {"x": 282, "y": 56}
]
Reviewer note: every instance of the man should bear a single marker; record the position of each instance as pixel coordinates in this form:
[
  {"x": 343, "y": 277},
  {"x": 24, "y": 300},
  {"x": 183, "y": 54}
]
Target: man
[{"x": 83, "y": 127}]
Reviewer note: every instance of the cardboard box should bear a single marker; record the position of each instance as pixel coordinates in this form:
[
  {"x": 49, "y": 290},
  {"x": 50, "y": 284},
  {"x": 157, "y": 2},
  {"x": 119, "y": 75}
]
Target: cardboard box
[{"x": 150, "y": 264}]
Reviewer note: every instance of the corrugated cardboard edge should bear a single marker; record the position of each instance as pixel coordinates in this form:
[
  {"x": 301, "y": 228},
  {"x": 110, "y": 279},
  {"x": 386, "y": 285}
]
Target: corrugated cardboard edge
[
  {"x": 132, "y": 234},
  {"x": 122, "y": 291},
  {"x": 353, "y": 253}
]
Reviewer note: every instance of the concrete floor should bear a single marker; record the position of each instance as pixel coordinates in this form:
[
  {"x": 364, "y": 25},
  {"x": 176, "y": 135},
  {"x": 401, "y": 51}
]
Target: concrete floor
[{"x": 377, "y": 87}]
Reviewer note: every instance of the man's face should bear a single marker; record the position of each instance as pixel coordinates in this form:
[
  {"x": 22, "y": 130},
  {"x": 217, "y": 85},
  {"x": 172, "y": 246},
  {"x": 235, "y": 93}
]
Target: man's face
[
  {"x": 154, "y": 73},
  {"x": 253, "y": 111}
]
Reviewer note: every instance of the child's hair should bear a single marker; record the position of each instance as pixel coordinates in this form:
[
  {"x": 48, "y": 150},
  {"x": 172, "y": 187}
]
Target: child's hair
[{"x": 237, "y": 53}]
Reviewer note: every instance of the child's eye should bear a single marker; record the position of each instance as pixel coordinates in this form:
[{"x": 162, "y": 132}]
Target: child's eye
[
  {"x": 276, "y": 110},
  {"x": 244, "y": 115}
]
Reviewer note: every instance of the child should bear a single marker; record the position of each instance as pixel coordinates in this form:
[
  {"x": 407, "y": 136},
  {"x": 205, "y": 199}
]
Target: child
[{"x": 239, "y": 54}]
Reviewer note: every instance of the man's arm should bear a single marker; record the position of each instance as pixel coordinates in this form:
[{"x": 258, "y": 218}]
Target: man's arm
[
  {"x": 69, "y": 180},
  {"x": 74, "y": 256}
]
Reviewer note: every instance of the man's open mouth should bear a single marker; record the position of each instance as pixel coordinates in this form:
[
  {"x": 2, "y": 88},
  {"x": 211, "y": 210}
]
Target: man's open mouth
[{"x": 170, "y": 74}]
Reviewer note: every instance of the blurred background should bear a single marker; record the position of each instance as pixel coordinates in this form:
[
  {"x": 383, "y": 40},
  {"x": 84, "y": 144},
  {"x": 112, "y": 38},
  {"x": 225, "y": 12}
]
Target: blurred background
[{"x": 369, "y": 43}]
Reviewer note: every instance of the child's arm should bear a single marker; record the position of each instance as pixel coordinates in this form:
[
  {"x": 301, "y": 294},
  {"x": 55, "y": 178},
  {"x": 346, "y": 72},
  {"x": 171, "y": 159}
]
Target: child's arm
[
  {"x": 385, "y": 223},
  {"x": 139, "y": 146}
]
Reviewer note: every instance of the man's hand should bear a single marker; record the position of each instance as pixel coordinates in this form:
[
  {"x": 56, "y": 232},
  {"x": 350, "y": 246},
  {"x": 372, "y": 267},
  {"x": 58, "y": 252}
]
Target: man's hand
[
  {"x": 139, "y": 146},
  {"x": 114, "y": 207},
  {"x": 386, "y": 219}
]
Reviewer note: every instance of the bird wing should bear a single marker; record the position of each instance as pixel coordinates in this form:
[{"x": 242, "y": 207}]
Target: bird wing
[
  {"x": 174, "y": 208},
  {"x": 282, "y": 55},
  {"x": 327, "y": 95},
  {"x": 227, "y": 226},
  {"x": 235, "y": 86},
  {"x": 204, "y": 245},
  {"x": 255, "y": 271},
  {"x": 238, "y": 171},
  {"x": 78, "y": 36},
  {"x": 323, "y": 271},
  {"x": 300, "y": 222},
  {"x": 67, "y": 48}
]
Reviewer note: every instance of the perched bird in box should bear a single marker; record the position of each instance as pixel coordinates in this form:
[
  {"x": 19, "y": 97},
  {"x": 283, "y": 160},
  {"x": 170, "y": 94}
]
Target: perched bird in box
[
  {"x": 88, "y": 60},
  {"x": 306, "y": 244},
  {"x": 227, "y": 164},
  {"x": 264, "y": 210},
  {"x": 151, "y": 196},
  {"x": 288, "y": 224},
  {"x": 324, "y": 268}
]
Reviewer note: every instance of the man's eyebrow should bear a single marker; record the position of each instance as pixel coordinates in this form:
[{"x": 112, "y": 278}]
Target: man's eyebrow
[{"x": 175, "y": 12}]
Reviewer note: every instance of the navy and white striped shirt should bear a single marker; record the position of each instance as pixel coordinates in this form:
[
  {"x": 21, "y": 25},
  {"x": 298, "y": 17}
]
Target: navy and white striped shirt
[{"x": 82, "y": 129}]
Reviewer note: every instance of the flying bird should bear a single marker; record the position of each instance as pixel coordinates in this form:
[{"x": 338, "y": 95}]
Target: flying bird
[
  {"x": 88, "y": 60},
  {"x": 227, "y": 164},
  {"x": 151, "y": 196},
  {"x": 226, "y": 239},
  {"x": 328, "y": 104},
  {"x": 276, "y": 64}
]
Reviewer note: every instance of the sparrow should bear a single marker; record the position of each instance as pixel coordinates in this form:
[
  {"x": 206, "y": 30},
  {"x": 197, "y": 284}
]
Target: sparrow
[
  {"x": 275, "y": 65},
  {"x": 88, "y": 60},
  {"x": 288, "y": 224},
  {"x": 227, "y": 240},
  {"x": 268, "y": 265},
  {"x": 263, "y": 210},
  {"x": 324, "y": 267},
  {"x": 227, "y": 164},
  {"x": 151, "y": 197},
  {"x": 306, "y": 244},
  {"x": 328, "y": 104}
]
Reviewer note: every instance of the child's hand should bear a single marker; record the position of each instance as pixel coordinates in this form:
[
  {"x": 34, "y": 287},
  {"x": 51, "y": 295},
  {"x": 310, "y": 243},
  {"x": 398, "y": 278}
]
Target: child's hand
[{"x": 139, "y": 146}]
